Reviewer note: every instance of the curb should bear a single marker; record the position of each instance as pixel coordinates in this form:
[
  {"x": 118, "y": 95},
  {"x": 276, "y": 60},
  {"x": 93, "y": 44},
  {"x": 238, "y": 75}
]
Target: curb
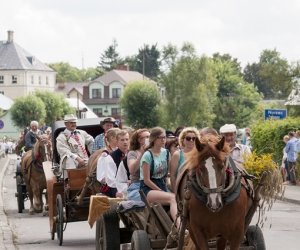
[
  {"x": 6, "y": 233},
  {"x": 290, "y": 200}
]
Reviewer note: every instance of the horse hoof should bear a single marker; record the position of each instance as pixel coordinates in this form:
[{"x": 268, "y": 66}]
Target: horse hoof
[
  {"x": 45, "y": 213},
  {"x": 31, "y": 211}
]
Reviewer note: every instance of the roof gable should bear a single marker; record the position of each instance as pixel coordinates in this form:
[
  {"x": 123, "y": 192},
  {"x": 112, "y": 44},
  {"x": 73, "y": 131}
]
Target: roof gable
[
  {"x": 14, "y": 57},
  {"x": 122, "y": 76}
]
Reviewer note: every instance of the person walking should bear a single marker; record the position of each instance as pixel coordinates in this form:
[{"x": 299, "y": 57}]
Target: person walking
[{"x": 291, "y": 152}]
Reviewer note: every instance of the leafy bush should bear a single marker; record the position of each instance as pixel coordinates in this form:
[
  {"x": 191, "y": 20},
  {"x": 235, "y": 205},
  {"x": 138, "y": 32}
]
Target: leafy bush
[{"x": 267, "y": 136}]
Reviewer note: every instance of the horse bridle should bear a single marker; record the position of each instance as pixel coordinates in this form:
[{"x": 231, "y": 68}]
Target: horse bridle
[
  {"x": 47, "y": 153},
  {"x": 220, "y": 189}
]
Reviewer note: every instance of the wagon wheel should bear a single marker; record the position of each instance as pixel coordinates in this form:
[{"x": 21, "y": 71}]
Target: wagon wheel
[
  {"x": 255, "y": 238},
  {"x": 59, "y": 219},
  {"x": 19, "y": 194},
  {"x": 140, "y": 240},
  {"x": 107, "y": 231}
]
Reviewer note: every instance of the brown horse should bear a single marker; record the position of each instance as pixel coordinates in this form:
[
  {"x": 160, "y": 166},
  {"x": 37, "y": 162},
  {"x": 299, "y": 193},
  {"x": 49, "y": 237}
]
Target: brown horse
[
  {"x": 211, "y": 200},
  {"x": 33, "y": 173}
]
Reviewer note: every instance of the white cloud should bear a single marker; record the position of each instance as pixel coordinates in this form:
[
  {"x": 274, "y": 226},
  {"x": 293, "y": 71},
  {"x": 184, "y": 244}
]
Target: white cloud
[{"x": 66, "y": 30}]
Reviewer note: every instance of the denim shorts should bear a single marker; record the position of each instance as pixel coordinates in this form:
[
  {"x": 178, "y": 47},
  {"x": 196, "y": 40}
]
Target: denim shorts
[
  {"x": 133, "y": 191},
  {"x": 158, "y": 182}
]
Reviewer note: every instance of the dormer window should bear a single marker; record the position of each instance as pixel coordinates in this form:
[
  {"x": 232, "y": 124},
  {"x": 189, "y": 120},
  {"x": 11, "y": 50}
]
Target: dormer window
[
  {"x": 116, "y": 92},
  {"x": 1, "y": 79},
  {"x": 31, "y": 59}
]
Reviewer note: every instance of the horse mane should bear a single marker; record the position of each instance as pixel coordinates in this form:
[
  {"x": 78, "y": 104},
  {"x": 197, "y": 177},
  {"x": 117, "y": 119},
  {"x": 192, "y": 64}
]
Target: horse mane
[
  {"x": 36, "y": 147},
  {"x": 208, "y": 145}
]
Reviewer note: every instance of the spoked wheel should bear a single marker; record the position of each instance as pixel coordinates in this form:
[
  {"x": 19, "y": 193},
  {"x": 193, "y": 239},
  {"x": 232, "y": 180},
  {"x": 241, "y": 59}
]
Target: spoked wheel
[
  {"x": 140, "y": 240},
  {"x": 59, "y": 219},
  {"x": 255, "y": 238},
  {"x": 19, "y": 194},
  {"x": 107, "y": 231}
]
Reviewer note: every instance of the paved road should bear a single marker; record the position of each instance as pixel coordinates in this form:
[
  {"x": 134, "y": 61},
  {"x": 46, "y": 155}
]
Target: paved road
[{"x": 24, "y": 232}]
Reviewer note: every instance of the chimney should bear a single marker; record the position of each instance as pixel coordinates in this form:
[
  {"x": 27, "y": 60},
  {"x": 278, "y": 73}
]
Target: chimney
[
  {"x": 123, "y": 67},
  {"x": 10, "y": 36}
]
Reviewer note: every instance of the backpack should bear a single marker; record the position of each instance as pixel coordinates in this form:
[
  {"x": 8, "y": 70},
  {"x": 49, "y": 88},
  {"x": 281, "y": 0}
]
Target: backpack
[{"x": 152, "y": 164}]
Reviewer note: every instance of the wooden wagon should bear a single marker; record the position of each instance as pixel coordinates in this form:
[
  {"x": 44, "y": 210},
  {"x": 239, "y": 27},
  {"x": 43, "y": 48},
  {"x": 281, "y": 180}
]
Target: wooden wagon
[{"x": 63, "y": 195}]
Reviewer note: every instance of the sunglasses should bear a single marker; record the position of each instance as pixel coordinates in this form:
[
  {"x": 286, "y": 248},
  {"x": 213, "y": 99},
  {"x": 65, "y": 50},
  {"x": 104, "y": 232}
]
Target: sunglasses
[{"x": 188, "y": 138}]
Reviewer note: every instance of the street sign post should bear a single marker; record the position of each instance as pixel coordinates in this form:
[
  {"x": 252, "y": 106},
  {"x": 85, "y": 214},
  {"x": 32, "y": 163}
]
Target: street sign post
[{"x": 275, "y": 114}]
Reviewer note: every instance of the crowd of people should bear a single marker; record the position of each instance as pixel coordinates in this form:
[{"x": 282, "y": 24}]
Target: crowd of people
[{"x": 147, "y": 160}]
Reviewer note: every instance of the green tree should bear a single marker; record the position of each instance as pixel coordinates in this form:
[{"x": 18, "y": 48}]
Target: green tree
[
  {"x": 56, "y": 106},
  {"x": 236, "y": 99},
  {"x": 110, "y": 58},
  {"x": 65, "y": 72},
  {"x": 190, "y": 90},
  {"x": 147, "y": 61},
  {"x": 140, "y": 103},
  {"x": 272, "y": 75},
  {"x": 26, "y": 109}
]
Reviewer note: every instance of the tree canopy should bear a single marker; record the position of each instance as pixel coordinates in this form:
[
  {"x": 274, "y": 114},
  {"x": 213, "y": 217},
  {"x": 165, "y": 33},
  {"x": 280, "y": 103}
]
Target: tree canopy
[
  {"x": 42, "y": 106},
  {"x": 190, "y": 90},
  {"x": 68, "y": 73},
  {"x": 236, "y": 100},
  {"x": 140, "y": 102},
  {"x": 110, "y": 58},
  {"x": 272, "y": 75}
]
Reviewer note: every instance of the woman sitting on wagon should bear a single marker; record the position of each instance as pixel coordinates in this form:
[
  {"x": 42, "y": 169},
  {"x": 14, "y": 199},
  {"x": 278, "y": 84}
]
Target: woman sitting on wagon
[
  {"x": 138, "y": 142},
  {"x": 186, "y": 142},
  {"x": 154, "y": 169}
]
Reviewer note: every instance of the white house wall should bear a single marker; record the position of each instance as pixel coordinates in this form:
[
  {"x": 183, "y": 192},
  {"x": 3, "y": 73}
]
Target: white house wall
[{"x": 24, "y": 85}]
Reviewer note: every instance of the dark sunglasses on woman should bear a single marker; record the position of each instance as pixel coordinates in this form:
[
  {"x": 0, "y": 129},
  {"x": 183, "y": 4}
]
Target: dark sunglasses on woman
[{"x": 188, "y": 138}]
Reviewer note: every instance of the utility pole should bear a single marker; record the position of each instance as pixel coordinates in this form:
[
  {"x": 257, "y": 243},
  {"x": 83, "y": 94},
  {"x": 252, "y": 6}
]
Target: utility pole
[{"x": 144, "y": 63}]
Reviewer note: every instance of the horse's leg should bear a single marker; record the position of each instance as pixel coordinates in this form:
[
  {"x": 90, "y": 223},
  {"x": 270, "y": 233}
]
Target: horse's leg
[
  {"x": 199, "y": 239},
  {"x": 37, "y": 195},
  {"x": 221, "y": 244},
  {"x": 30, "y": 194}
]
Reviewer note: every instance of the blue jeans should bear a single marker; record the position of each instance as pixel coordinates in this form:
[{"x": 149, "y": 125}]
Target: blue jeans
[{"x": 133, "y": 191}]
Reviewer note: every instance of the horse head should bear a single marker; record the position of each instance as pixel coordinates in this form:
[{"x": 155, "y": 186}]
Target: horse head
[
  {"x": 43, "y": 148},
  {"x": 209, "y": 162}
]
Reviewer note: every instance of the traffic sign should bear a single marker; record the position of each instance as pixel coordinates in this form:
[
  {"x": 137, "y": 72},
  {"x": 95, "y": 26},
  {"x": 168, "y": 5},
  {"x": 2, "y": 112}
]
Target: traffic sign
[{"x": 275, "y": 114}]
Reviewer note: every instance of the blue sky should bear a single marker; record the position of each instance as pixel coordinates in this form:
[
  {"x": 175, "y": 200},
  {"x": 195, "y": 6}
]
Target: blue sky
[{"x": 78, "y": 31}]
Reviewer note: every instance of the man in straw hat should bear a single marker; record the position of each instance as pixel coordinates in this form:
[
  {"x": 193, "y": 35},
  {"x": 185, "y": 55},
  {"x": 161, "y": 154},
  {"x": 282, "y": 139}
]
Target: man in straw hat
[
  {"x": 71, "y": 144},
  {"x": 237, "y": 151},
  {"x": 106, "y": 124}
]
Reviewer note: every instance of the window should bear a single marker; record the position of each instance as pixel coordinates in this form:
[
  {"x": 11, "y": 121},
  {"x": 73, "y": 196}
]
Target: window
[
  {"x": 116, "y": 93},
  {"x": 47, "y": 80},
  {"x": 32, "y": 79},
  {"x": 98, "y": 111},
  {"x": 96, "y": 93},
  {"x": 40, "y": 80},
  {"x": 115, "y": 111},
  {"x": 1, "y": 79},
  {"x": 14, "y": 79}
]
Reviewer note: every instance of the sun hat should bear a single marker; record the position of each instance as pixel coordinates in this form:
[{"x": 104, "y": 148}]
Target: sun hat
[
  {"x": 70, "y": 118},
  {"x": 228, "y": 128},
  {"x": 108, "y": 120}
]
